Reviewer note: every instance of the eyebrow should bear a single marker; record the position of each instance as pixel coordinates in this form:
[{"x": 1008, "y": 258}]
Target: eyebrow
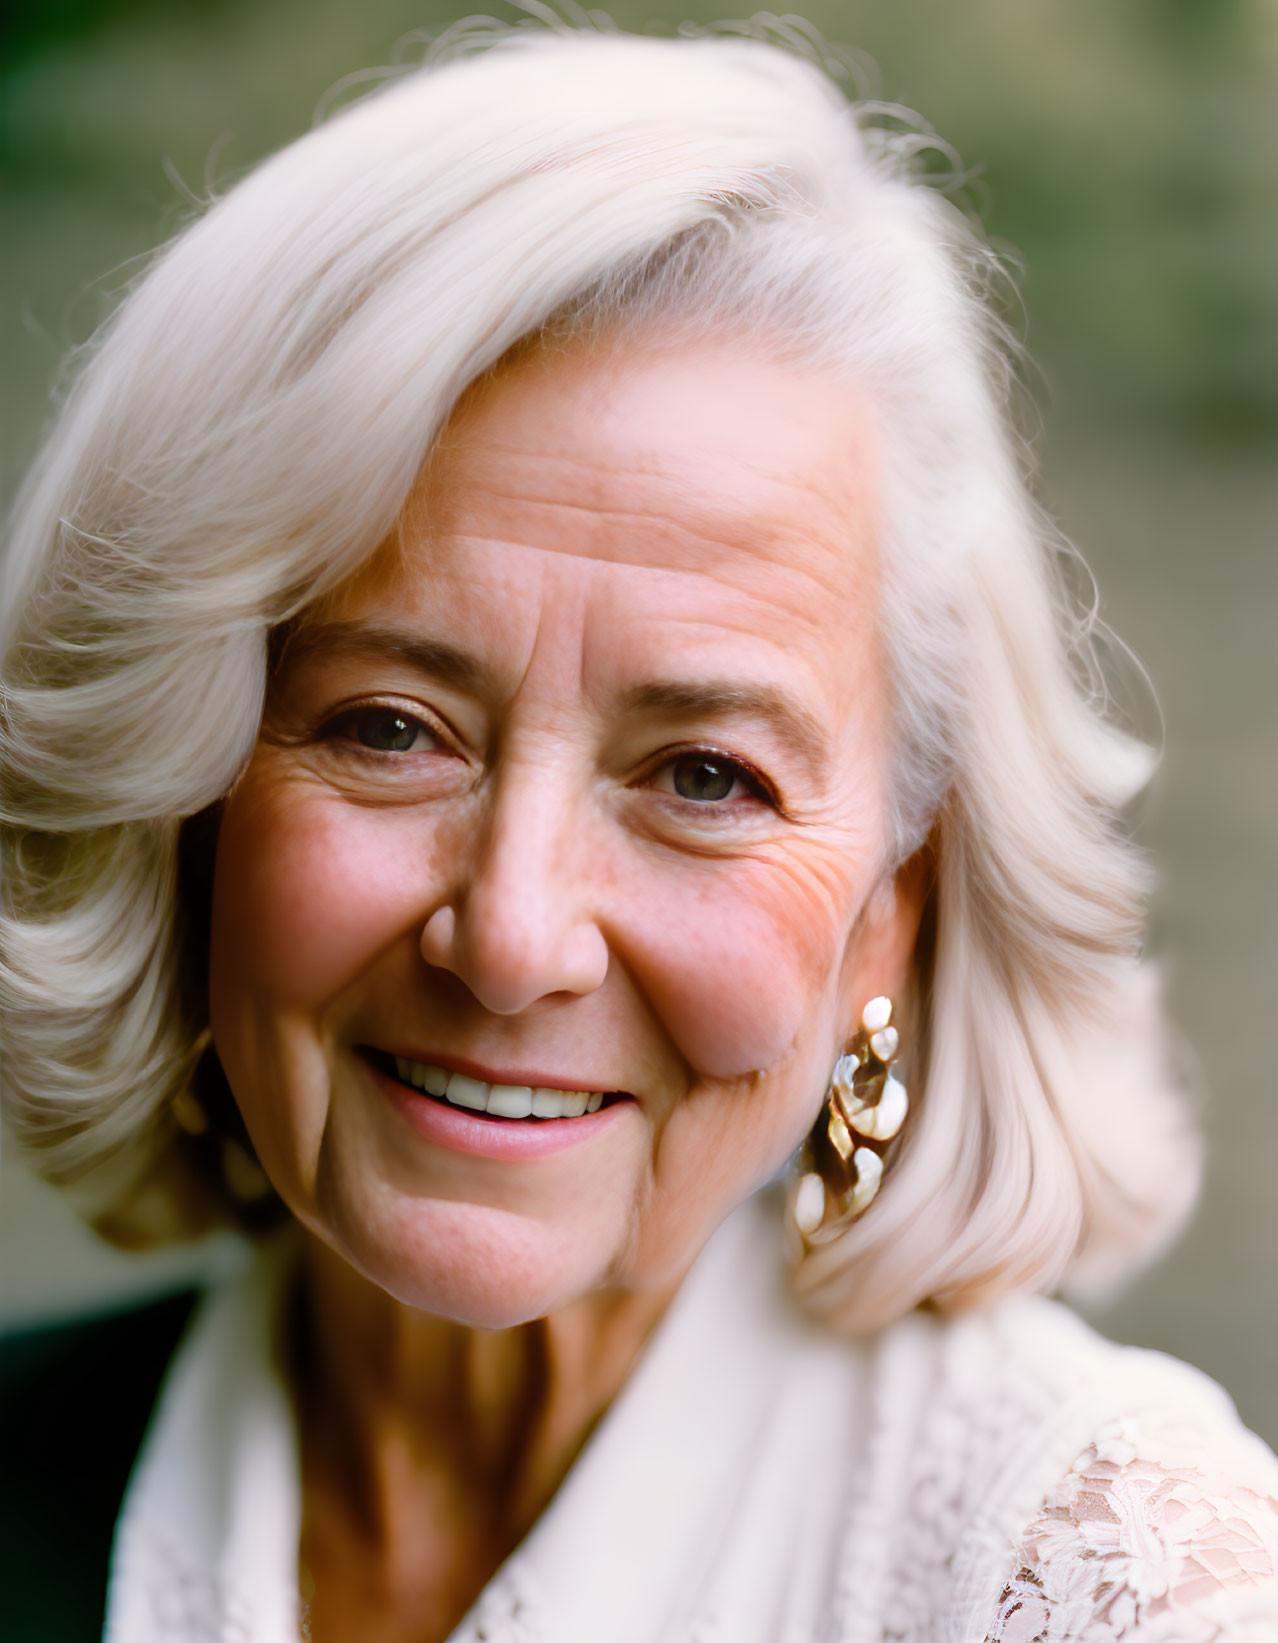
[
  {"x": 736, "y": 699},
  {"x": 437, "y": 657}
]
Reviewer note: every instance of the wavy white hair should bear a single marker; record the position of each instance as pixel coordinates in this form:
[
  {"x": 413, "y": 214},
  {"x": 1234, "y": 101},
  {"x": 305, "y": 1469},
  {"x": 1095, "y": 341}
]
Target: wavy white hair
[{"x": 243, "y": 433}]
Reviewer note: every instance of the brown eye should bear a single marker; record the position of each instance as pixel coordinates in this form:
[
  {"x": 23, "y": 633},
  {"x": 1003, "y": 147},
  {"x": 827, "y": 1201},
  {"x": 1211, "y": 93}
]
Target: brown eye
[
  {"x": 703, "y": 779},
  {"x": 385, "y": 730}
]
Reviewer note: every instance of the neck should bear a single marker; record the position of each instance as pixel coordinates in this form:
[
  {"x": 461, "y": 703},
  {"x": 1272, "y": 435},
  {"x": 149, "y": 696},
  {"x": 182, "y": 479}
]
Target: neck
[{"x": 400, "y": 1409}]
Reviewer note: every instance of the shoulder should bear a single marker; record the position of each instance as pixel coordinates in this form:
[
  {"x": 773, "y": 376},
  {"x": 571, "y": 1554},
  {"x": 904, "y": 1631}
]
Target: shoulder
[
  {"x": 1064, "y": 1488},
  {"x": 75, "y": 1399}
]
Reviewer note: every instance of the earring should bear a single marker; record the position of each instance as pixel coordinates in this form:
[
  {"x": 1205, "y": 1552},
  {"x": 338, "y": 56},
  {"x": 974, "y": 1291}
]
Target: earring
[{"x": 841, "y": 1163}]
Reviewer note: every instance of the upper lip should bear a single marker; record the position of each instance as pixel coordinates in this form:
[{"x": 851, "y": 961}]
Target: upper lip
[{"x": 533, "y": 1078}]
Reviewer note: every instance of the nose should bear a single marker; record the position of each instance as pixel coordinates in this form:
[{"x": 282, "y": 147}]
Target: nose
[{"x": 518, "y": 926}]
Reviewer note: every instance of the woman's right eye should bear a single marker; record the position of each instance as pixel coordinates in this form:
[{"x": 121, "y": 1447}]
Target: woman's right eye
[{"x": 384, "y": 730}]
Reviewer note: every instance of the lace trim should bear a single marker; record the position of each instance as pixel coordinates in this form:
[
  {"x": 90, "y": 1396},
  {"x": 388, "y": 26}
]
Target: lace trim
[{"x": 1127, "y": 1548}]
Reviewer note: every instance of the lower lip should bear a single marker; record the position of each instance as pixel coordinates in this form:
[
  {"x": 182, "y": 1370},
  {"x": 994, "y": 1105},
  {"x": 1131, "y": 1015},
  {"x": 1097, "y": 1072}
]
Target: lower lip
[{"x": 482, "y": 1136}]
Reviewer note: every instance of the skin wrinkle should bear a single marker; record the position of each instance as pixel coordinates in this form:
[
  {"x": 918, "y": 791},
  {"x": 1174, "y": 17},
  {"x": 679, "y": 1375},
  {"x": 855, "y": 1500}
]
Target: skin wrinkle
[
  {"x": 693, "y": 699},
  {"x": 672, "y": 471},
  {"x": 659, "y": 466},
  {"x": 737, "y": 537},
  {"x": 535, "y": 892},
  {"x": 679, "y": 538}
]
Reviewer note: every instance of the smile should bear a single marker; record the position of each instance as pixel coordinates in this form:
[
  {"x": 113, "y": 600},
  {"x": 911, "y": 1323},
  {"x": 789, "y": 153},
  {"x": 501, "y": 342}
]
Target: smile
[
  {"x": 501, "y": 1100},
  {"x": 492, "y": 1118}
]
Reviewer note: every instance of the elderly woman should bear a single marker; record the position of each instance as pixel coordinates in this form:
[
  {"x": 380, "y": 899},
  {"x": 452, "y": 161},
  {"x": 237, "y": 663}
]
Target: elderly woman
[{"x": 537, "y": 716}]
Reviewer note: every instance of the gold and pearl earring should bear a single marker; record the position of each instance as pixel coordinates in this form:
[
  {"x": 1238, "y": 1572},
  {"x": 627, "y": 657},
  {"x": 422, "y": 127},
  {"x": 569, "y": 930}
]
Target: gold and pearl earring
[{"x": 841, "y": 1164}]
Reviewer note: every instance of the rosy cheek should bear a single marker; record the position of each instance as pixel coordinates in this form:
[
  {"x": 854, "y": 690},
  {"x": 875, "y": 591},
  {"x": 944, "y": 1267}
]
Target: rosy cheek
[
  {"x": 306, "y": 892},
  {"x": 733, "y": 970}
]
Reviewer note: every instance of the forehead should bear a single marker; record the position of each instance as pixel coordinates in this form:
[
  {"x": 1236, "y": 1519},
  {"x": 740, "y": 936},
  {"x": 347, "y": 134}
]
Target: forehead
[
  {"x": 656, "y": 457},
  {"x": 592, "y": 513}
]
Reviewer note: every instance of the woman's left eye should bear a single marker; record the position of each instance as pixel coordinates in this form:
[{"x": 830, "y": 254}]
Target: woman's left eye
[
  {"x": 708, "y": 778},
  {"x": 384, "y": 730}
]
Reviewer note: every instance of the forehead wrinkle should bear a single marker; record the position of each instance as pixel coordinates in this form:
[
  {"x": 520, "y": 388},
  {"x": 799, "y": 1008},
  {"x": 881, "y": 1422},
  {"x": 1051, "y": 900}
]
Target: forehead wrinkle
[
  {"x": 834, "y": 569},
  {"x": 680, "y": 511},
  {"x": 790, "y": 595},
  {"x": 671, "y": 462},
  {"x": 827, "y": 583},
  {"x": 662, "y": 464}
]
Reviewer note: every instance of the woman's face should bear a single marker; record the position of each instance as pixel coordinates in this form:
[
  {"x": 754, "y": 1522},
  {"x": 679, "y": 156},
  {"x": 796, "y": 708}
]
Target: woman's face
[{"x": 580, "y": 785}]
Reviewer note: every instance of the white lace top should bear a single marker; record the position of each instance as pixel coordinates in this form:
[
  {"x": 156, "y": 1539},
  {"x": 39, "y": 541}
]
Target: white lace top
[{"x": 1005, "y": 1477}]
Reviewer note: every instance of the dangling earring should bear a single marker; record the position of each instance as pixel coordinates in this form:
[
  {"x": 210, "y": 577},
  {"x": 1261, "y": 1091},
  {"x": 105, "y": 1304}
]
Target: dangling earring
[{"x": 841, "y": 1164}]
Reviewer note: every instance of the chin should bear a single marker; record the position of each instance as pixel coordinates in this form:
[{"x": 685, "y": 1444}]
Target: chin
[{"x": 480, "y": 1266}]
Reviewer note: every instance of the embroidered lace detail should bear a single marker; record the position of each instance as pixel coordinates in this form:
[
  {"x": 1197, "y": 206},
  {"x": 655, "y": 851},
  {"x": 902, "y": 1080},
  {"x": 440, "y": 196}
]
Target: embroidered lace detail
[
  {"x": 1128, "y": 1549},
  {"x": 1075, "y": 1493},
  {"x": 938, "y": 1454}
]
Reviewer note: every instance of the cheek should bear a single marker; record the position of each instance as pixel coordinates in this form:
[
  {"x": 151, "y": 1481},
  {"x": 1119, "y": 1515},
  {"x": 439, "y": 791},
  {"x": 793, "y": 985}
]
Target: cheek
[
  {"x": 306, "y": 892},
  {"x": 739, "y": 962}
]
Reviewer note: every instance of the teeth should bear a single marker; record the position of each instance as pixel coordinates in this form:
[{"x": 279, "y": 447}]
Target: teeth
[
  {"x": 510, "y": 1101},
  {"x": 467, "y": 1092},
  {"x": 502, "y": 1100}
]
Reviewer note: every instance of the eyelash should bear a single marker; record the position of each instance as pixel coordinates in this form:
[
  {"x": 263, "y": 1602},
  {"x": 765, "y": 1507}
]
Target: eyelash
[
  {"x": 757, "y": 785},
  {"x": 348, "y": 717}
]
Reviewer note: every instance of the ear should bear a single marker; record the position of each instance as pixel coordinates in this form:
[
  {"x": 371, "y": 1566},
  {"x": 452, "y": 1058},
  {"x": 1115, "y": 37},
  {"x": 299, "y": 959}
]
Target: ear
[{"x": 880, "y": 951}]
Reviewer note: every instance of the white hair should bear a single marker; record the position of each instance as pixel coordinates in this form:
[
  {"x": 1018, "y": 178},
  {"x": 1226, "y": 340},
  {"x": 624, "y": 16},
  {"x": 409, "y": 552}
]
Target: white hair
[{"x": 243, "y": 434}]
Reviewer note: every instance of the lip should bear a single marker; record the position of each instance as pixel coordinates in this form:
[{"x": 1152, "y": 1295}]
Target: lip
[
  {"x": 534, "y": 1078},
  {"x": 482, "y": 1135}
]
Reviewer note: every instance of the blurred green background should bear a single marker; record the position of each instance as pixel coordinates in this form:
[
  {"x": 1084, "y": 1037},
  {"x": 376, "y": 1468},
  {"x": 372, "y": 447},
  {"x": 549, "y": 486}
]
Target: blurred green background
[{"x": 1126, "y": 152}]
